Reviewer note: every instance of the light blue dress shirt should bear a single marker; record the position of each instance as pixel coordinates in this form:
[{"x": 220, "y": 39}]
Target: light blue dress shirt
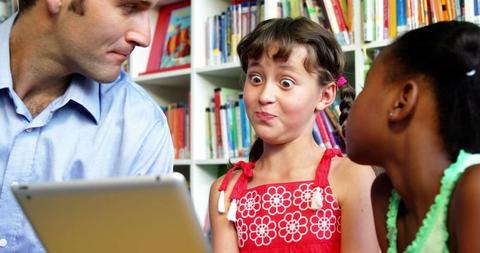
[{"x": 92, "y": 131}]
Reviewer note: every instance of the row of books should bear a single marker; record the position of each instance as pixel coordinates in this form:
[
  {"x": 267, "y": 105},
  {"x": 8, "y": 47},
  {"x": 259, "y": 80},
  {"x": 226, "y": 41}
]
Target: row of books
[
  {"x": 383, "y": 19},
  {"x": 224, "y": 31},
  {"x": 178, "y": 117},
  {"x": 335, "y": 15},
  {"x": 228, "y": 130}
]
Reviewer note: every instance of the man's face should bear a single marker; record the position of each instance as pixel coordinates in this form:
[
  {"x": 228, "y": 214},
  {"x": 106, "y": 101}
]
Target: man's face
[{"x": 96, "y": 36}]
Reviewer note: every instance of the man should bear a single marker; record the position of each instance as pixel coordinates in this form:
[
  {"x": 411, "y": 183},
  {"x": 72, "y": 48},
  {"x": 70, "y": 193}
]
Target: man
[{"x": 66, "y": 110}]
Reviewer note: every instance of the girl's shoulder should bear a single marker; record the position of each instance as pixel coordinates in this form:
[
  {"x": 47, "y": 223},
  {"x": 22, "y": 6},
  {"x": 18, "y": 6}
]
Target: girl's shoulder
[
  {"x": 463, "y": 212},
  {"x": 214, "y": 189},
  {"x": 350, "y": 180},
  {"x": 345, "y": 170}
]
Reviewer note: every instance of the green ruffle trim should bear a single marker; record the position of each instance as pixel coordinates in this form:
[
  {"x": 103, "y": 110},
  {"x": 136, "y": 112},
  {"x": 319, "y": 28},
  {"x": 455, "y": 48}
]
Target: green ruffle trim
[{"x": 439, "y": 207}]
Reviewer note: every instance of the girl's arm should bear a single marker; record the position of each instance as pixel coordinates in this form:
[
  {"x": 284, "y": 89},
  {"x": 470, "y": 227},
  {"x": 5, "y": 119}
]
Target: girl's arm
[
  {"x": 224, "y": 235},
  {"x": 464, "y": 221},
  {"x": 351, "y": 185}
]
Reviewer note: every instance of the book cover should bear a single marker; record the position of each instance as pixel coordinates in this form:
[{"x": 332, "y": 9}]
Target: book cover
[
  {"x": 161, "y": 36},
  {"x": 176, "y": 49}
]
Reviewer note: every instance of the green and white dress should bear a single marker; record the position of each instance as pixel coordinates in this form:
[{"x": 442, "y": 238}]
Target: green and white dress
[{"x": 432, "y": 236}]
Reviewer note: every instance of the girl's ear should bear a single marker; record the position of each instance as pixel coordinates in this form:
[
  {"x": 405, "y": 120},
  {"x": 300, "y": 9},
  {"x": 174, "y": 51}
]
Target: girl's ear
[
  {"x": 54, "y": 6},
  {"x": 404, "y": 101},
  {"x": 327, "y": 97}
]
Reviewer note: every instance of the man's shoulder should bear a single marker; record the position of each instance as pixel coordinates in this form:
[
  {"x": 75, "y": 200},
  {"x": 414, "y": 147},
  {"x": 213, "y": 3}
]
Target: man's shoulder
[{"x": 130, "y": 99}]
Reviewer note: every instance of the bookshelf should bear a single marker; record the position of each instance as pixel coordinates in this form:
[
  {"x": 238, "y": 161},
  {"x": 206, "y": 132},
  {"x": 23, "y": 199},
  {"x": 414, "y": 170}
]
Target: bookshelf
[{"x": 196, "y": 84}]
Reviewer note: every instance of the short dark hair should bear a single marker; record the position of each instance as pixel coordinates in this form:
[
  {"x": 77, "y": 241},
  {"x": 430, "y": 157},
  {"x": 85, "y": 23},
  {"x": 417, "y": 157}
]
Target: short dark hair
[
  {"x": 325, "y": 56},
  {"x": 77, "y": 6},
  {"x": 448, "y": 54}
]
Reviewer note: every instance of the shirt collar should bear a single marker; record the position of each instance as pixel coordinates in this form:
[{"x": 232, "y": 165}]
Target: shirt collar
[
  {"x": 85, "y": 92},
  {"x": 5, "y": 72}
]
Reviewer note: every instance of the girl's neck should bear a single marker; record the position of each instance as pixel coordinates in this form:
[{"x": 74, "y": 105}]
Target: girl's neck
[
  {"x": 290, "y": 161},
  {"x": 416, "y": 175}
]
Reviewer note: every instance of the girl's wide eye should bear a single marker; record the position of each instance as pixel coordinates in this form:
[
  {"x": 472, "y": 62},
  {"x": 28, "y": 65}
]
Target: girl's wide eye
[
  {"x": 286, "y": 83},
  {"x": 255, "y": 79}
]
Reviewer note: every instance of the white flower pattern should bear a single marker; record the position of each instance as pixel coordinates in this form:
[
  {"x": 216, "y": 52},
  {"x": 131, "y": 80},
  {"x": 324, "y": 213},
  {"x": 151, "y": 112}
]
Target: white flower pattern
[
  {"x": 302, "y": 196},
  {"x": 276, "y": 200},
  {"x": 330, "y": 198},
  {"x": 281, "y": 214},
  {"x": 242, "y": 232},
  {"x": 323, "y": 224},
  {"x": 249, "y": 204},
  {"x": 293, "y": 227},
  {"x": 263, "y": 231}
]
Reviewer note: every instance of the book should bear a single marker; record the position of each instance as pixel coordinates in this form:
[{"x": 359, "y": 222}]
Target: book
[
  {"x": 176, "y": 49},
  {"x": 172, "y": 38}
]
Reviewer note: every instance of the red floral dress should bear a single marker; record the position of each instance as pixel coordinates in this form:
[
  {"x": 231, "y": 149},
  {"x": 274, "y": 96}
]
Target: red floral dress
[{"x": 282, "y": 217}]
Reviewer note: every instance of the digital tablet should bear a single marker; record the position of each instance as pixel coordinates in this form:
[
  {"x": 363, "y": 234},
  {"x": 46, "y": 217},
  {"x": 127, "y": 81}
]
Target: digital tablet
[{"x": 134, "y": 214}]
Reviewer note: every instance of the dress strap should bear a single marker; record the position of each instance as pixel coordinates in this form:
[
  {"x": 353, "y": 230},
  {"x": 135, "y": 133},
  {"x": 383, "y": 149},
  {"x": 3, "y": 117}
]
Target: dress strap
[
  {"x": 239, "y": 187},
  {"x": 323, "y": 168},
  {"x": 247, "y": 171},
  {"x": 321, "y": 176}
]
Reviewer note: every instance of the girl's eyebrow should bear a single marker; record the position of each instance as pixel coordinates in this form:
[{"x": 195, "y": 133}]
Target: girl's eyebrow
[
  {"x": 254, "y": 63},
  {"x": 287, "y": 66}
]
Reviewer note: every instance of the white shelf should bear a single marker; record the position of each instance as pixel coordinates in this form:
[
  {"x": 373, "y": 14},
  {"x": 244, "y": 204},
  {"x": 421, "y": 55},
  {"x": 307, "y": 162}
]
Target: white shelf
[
  {"x": 378, "y": 44},
  {"x": 212, "y": 162},
  {"x": 226, "y": 70},
  {"x": 349, "y": 48},
  {"x": 182, "y": 162},
  {"x": 221, "y": 161},
  {"x": 180, "y": 77}
]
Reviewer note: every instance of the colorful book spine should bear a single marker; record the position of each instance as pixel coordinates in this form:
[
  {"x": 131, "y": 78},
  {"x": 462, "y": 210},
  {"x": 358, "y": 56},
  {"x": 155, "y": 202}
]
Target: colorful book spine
[
  {"x": 330, "y": 131},
  {"x": 232, "y": 129},
  {"x": 245, "y": 123},
  {"x": 368, "y": 20},
  {"x": 213, "y": 134},
  {"x": 340, "y": 17},
  {"x": 224, "y": 131},
  {"x": 401, "y": 16},
  {"x": 208, "y": 134},
  {"x": 238, "y": 124},
  {"x": 316, "y": 136},
  {"x": 323, "y": 131}
]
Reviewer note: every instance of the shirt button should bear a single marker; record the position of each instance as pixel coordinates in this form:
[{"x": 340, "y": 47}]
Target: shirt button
[
  {"x": 28, "y": 130},
  {"x": 3, "y": 243}
]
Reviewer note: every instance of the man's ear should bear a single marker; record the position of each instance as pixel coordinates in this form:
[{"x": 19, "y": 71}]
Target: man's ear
[
  {"x": 328, "y": 94},
  {"x": 404, "y": 101},
  {"x": 54, "y": 6}
]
